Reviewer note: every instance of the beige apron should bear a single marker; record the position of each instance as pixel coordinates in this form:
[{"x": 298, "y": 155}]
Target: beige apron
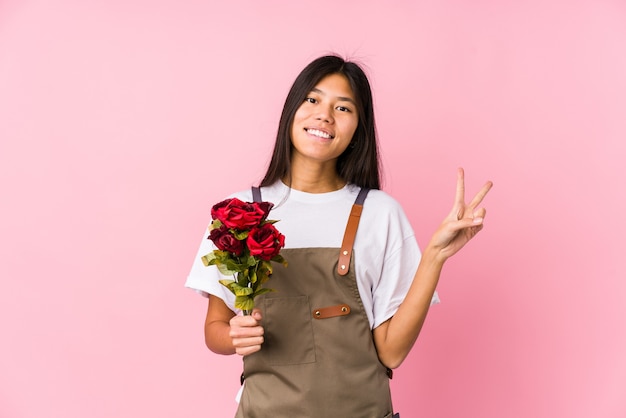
[{"x": 318, "y": 359}]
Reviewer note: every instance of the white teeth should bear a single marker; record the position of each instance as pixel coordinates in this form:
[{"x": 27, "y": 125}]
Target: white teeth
[{"x": 319, "y": 133}]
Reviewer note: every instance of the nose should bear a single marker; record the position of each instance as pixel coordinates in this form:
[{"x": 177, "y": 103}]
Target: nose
[{"x": 324, "y": 114}]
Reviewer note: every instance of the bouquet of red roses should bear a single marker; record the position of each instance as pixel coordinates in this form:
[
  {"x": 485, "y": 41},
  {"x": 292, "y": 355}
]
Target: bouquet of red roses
[{"x": 247, "y": 242}]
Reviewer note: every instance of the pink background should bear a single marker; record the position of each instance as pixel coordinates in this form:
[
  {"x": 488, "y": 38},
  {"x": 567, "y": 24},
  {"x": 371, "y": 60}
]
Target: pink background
[{"x": 121, "y": 122}]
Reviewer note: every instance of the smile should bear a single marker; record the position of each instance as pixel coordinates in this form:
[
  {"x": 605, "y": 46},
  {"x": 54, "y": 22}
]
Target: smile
[{"x": 318, "y": 133}]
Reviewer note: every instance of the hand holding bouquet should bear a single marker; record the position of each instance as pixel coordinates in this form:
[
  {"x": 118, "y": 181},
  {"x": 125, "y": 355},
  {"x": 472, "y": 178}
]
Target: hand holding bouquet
[{"x": 247, "y": 242}]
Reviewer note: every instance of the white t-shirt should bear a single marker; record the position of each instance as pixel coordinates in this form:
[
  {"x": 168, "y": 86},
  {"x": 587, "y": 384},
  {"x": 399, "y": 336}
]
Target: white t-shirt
[{"x": 386, "y": 254}]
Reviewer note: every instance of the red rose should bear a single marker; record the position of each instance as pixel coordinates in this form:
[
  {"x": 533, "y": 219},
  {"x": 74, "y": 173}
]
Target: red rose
[
  {"x": 265, "y": 242},
  {"x": 225, "y": 241},
  {"x": 219, "y": 210},
  {"x": 264, "y": 207},
  {"x": 240, "y": 215}
]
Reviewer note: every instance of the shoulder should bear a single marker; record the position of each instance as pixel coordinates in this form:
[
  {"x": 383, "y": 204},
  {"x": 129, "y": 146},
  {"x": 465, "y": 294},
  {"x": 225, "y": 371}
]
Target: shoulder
[
  {"x": 381, "y": 197},
  {"x": 385, "y": 217},
  {"x": 381, "y": 202}
]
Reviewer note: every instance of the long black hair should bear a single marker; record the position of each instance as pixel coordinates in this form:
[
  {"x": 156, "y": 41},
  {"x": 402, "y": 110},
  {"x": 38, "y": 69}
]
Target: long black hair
[{"x": 359, "y": 163}]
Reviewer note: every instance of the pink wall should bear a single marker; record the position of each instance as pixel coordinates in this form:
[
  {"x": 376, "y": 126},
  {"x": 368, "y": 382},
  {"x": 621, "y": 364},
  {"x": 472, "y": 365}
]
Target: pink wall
[{"x": 115, "y": 118}]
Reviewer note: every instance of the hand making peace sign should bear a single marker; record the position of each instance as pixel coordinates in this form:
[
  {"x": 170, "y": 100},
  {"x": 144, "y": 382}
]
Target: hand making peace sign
[{"x": 462, "y": 223}]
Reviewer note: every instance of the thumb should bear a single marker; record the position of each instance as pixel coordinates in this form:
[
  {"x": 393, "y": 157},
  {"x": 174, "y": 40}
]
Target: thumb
[{"x": 256, "y": 314}]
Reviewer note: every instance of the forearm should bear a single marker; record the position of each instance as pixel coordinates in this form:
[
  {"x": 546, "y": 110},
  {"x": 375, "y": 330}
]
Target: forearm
[
  {"x": 395, "y": 338},
  {"x": 217, "y": 327},
  {"x": 217, "y": 337},
  {"x": 227, "y": 333}
]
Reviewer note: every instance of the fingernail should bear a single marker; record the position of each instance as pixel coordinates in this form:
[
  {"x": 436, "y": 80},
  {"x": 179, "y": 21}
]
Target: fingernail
[{"x": 478, "y": 220}]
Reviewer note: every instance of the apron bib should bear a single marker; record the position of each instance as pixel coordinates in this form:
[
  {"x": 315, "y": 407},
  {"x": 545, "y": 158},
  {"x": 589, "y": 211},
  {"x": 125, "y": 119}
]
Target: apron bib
[{"x": 318, "y": 359}]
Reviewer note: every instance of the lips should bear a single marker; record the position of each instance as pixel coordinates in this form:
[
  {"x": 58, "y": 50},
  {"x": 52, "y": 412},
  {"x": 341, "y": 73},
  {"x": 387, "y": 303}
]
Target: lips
[{"x": 319, "y": 133}]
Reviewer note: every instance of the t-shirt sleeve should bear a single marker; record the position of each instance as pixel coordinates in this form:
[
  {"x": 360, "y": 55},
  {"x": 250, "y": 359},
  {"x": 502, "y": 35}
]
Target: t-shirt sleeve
[
  {"x": 205, "y": 279},
  {"x": 399, "y": 267},
  {"x": 399, "y": 263}
]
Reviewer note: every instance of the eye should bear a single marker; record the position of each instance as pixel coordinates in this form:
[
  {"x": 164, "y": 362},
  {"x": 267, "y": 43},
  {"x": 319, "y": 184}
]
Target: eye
[
  {"x": 343, "y": 109},
  {"x": 310, "y": 100}
]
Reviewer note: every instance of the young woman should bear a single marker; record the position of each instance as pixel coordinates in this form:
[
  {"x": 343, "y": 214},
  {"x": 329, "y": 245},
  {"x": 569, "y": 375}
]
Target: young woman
[{"x": 351, "y": 303}]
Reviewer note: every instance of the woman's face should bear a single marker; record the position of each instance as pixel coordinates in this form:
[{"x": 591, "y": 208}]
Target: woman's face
[{"x": 325, "y": 122}]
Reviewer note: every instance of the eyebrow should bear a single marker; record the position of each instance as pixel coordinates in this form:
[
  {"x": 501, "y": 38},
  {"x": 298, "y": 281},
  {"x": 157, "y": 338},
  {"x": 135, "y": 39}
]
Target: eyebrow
[{"x": 340, "y": 98}]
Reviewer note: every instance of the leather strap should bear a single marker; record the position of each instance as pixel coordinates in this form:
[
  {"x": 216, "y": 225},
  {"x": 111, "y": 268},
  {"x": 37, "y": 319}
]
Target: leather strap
[
  {"x": 345, "y": 253},
  {"x": 331, "y": 311}
]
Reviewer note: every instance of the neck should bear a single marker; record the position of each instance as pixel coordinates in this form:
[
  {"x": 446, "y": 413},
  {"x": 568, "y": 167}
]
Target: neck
[{"x": 314, "y": 178}]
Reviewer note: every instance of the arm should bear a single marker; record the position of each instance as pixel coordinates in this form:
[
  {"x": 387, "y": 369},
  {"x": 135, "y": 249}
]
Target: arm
[
  {"x": 395, "y": 337},
  {"x": 227, "y": 333}
]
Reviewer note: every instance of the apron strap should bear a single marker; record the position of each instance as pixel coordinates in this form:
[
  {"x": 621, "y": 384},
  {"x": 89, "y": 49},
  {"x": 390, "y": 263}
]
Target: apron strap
[
  {"x": 256, "y": 194},
  {"x": 345, "y": 253}
]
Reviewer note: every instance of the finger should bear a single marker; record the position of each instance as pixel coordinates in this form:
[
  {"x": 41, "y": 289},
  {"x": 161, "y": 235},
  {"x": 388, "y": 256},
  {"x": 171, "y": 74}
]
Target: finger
[
  {"x": 468, "y": 228},
  {"x": 466, "y": 223},
  {"x": 243, "y": 321},
  {"x": 459, "y": 200},
  {"x": 479, "y": 214},
  {"x": 256, "y": 314},
  {"x": 454, "y": 227},
  {"x": 247, "y": 320},
  {"x": 246, "y": 346},
  {"x": 245, "y": 332},
  {"x": 246, "y": 351},
  {"x": 480, "y": 195},
  {"x": 247, "y": 342}
]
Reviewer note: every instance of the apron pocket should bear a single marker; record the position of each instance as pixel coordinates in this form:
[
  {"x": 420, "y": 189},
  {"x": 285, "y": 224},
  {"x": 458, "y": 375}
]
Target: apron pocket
[{"x": 288, "y": 331}]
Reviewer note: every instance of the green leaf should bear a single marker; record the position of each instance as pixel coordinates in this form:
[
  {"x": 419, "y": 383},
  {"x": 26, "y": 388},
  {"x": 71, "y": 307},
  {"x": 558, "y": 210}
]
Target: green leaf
[
  {"x": 237, "y": 290},
  {"x": 228, "y": 284},
  {"x": 242, "y": 291},
  {"x": 208, "y": 259},
  {"x": 279, "y": 259},
  {"x": 221, "y": 254},
  {"x": 224, "y": 269},
  {"x": 240, "y": 235},
  {"x": 262, "y": 276},
  {"x": 216, "y": 224},
  {"x": 250, "y": 261},
  {"x": 244, "y": 303},
  {"x": 234, "y": 265},
  {"x": 267, "y": 267}
]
